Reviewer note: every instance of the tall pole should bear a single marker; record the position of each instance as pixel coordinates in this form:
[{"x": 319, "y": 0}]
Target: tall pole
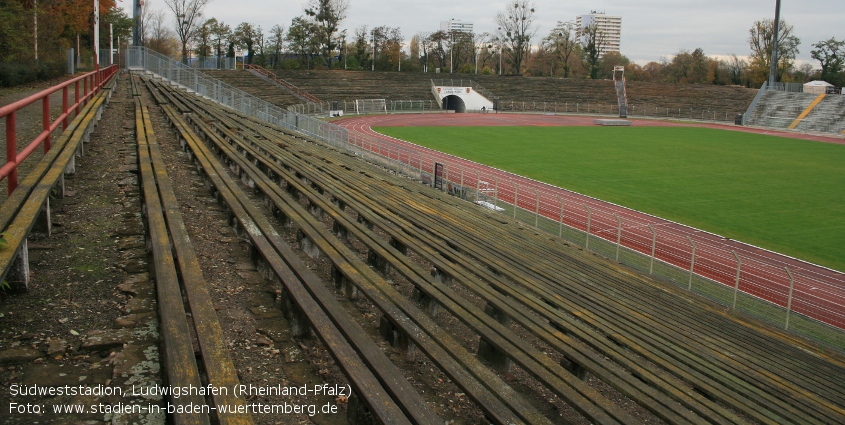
[
  {"x": 96, "y": 35},
  {"x": 137, "y": 31},
  {"x": 773, "y": 72},
  {"x": 35, "y": 19},
  {"x": 111, "y": 44},
  {"x": 451, "y": 49},
  {"x": 374, "y": 49}
]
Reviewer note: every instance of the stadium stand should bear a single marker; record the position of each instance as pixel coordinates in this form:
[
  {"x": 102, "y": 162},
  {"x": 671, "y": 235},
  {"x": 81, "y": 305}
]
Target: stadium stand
[
  {"x": 777, "y": 109},
  {"x": 676, "y": 100},
  {"x": 256, "y": 86}
]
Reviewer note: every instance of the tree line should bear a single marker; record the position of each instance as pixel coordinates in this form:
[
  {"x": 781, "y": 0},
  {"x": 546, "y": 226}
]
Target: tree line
[
  {"x": 315, "y": 40},
  {"x": 35, "y": 36}
]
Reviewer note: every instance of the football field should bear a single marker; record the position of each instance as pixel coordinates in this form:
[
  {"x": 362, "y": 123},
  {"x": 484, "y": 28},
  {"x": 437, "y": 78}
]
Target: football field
[{"x": 785, "y": 195}]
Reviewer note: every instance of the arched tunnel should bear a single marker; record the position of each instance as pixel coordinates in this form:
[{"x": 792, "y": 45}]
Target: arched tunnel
[{"x": 454, "y": 102}]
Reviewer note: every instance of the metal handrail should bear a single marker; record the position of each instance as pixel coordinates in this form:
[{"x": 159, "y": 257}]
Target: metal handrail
[{"x": 92, "y": 83}]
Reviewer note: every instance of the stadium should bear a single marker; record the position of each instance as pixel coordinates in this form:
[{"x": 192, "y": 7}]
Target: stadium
[{"x": 590, "y": 251}]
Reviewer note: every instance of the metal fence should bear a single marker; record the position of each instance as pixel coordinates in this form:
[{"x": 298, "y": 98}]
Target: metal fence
[
  {"x": 513, "y": 106},
  {"x": 634, "y": 110},
  {"x": 212, "y": 62},
  {"x": 805, "y": 299}
]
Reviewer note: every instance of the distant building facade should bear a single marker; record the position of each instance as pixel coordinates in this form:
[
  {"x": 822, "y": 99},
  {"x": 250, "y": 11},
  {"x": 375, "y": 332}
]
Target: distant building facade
[
  {"x": 456, "y": 25},
  {"x": 609, "y": 26}
]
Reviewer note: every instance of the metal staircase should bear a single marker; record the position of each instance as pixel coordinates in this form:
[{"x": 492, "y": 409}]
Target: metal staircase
[{"x": 621, "y": 95}]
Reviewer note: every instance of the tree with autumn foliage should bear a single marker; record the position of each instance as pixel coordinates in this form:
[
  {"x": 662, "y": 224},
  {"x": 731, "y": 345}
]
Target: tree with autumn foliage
[{"x": 54, "y": 26}]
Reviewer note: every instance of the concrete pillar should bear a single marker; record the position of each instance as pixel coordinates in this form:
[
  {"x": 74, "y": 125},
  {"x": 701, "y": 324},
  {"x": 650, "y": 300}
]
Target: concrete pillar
[
  {"x": 378, "y": 262},
  {"x": 427, "y": 303},
  {"x": 397, "y": 338},
  {"x": 365, "y": 222},
  {"x": 291, "y": 189},
  {"x": 315, "y": 210},
  {"x": 574, "y": 368},
  {"x": 18, "y": 276},
  {"x": 339, "y": 230},
  {"x": 441, "y": 276},
  {"x": 284, "y": 220},
  {"x": 307, "y": 245},
  {"x": 399, "y": 246},
  {"x": 497, "y": 358},
  {"x": 43, "y": 224},
  {"x": 357, "y": 413},
  {"x": 299, "y": 326}
]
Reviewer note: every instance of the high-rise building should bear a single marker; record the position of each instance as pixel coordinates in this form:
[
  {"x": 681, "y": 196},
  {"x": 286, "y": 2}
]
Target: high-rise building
[
  {"x": 455, "y": 25},
  {"x": 609, "y": 26}
]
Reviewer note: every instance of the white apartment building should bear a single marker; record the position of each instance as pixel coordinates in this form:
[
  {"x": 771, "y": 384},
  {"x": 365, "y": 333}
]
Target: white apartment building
[
  {"x": 455, "y": 25},
  {"x": 609, "y": 26}
]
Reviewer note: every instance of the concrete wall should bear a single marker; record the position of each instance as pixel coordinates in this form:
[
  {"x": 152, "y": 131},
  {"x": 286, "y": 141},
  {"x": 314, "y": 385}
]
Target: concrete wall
[{"x": 473, "y": 101}]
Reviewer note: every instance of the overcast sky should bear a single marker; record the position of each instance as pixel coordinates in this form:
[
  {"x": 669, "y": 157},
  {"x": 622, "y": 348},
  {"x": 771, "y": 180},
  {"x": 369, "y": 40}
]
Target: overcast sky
[{"x": 651, "y": 29}]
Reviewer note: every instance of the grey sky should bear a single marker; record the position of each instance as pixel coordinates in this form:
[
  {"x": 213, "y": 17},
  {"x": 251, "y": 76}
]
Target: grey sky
[{"x": 651, "y": 29}]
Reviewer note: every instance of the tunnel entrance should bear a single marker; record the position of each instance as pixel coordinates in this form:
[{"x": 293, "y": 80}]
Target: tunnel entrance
[{"x": 454, "y": 103}]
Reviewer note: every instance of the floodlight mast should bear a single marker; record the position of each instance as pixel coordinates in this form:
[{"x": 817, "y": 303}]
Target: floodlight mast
[
  {"x": 773, "y": 71},
  {"x": 96, "y": 35},
  {"x": 137, "y": 31}
]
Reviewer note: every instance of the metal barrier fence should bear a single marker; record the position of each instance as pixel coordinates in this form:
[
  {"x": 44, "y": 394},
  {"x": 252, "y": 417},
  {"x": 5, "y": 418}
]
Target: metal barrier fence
[
  {"x": 805, "y": 299},
  {"x": 212, "y": 62},
  {"x": 634, "y": 110},
  {"x": 802, "y": 298},
  {"x": 91, "y": 83}
]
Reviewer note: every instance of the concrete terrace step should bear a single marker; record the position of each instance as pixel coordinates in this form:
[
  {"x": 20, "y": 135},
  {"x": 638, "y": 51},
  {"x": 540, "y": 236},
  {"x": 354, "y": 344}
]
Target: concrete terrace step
[
  {"x": 351, "y": 85},
  {"x": 827, "y": 116}
]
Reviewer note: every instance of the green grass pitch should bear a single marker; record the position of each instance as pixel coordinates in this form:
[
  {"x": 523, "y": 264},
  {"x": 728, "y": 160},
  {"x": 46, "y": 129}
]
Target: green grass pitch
[{"x": 782, "y": 194}]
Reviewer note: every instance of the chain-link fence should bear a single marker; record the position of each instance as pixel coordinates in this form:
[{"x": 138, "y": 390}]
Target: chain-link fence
[{"x": 805, "y": 299}]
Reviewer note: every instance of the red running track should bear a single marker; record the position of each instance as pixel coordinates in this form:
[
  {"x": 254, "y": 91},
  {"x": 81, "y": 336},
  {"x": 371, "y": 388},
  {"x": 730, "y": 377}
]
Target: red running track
[{"x": 818, "y": 292}]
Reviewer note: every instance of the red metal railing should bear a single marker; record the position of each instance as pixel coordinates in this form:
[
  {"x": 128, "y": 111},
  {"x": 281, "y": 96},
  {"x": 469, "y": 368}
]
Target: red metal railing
[
  {"x": 92, "y": 82},
  {"x": 296, "y": 90}
]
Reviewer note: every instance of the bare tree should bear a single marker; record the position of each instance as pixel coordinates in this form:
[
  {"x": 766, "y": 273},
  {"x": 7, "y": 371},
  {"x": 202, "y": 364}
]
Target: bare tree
[
  {"x": 563, "y": 42},
  {"x": 515, "y": 29},
  {"x": 736, "y": 68},
  {"x": 158, "y": 36},
  {"x": 436, "y": 48},
  {"x": 277, "y": 43},
  {"x": 593, "y": 42},
  {"x": 188, "y": 19},
  {"x": 327, "y": 15}
]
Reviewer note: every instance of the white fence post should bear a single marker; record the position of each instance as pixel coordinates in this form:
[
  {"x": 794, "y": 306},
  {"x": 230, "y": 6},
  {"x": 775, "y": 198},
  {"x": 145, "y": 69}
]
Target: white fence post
[
  {"x": 692, "y": 263},
  {"x": 789, "y": 298},
  {"x": 421, "y": 161},
  {"x": 560, "y": 227},
  {"x": 496, "y": 192},
  {"x": 515, "y": 198},
  {"x": 653, "y": 246},
  {"x": 589, "y": 219},
  {"x": 462, "y": 182},
  {"x": 477, "y": 186},
  {"x": 736, "y": 283},
  {"x": 536, "y": 209},
  {"x": 618, "y": 235}
]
